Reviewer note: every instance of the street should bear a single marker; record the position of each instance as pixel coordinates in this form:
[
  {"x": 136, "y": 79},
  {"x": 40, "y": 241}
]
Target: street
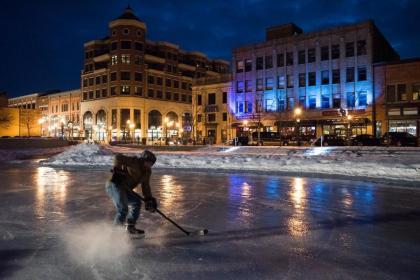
[{"x": 56, "y": 224}]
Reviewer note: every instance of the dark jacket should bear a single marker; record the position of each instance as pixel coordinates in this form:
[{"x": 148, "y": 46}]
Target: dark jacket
[{"x": 128, "y": 172}]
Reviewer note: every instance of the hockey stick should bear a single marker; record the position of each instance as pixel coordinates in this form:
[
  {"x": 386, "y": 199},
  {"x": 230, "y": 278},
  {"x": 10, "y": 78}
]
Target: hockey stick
[{"x": 200, "y": 232}]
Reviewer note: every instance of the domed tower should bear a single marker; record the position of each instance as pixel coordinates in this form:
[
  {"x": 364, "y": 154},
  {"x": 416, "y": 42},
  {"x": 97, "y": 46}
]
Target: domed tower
[{"x": 127, "y": 48}]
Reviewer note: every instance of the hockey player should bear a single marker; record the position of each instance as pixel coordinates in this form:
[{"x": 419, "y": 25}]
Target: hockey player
[{"x": 127, "y": 173}]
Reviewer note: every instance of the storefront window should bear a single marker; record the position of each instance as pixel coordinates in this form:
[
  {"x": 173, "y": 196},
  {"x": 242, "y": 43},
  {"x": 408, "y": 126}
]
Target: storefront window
[{"x": 403, "y": 126}]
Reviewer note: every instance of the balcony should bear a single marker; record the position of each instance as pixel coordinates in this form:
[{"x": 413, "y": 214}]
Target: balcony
[
  {"x": 101, "y": 58},
  {"x": 225, "y": 78}
]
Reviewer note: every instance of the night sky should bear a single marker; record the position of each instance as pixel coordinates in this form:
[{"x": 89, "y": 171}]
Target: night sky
[{"x": 42, "y": 41}]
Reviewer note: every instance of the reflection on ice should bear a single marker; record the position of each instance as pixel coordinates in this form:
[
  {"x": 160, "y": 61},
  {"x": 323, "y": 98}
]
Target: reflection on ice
[
  {"x": 347, "y": 200},
  {"x": 297, "y": 194},
  {"x": 51, "y": 188},
  {"x": 170, "y": 190},
  {"x": 240, "y": 193},
  {"x": 318, "y": 151}
]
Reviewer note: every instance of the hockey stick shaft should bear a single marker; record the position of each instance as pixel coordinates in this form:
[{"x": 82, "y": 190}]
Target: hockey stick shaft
[{"x": 164, "y": 216}]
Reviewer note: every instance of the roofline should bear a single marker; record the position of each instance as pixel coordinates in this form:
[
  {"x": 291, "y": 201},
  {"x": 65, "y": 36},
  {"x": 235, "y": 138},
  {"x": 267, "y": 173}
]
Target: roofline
[
  {"x": 308, "y": 34},
  {"x": 25, "y": 96},
  {"x": 401, "y": 61}
]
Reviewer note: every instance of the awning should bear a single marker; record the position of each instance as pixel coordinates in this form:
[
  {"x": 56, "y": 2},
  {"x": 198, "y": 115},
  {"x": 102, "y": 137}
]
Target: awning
[{"x": 294, "y": 123}]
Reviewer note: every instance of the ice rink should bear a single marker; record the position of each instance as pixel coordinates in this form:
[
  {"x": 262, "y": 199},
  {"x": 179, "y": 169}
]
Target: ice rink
[{"x": 56, "y": 224}]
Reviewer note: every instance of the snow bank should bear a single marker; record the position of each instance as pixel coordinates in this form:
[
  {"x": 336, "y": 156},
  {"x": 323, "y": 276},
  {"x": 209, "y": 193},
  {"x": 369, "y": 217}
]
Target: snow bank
[
  {"x": 371, "y": 162},
  {"x": 82, "y": 155}
]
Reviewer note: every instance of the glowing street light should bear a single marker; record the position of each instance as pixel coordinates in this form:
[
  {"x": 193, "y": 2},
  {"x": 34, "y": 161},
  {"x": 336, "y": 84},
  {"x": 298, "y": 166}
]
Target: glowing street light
[{"x": 297, "y": 113}]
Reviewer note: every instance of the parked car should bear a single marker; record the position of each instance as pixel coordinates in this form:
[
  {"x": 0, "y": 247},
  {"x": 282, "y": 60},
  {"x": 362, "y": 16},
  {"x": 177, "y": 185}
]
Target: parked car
[
  {"x": 399, "y": 139},
  {"x": 330, "y": 140},
  {"x": 364, "y": 140},
  {"x": 300, "y": 140},
  {"x": 265, "y": 139}
]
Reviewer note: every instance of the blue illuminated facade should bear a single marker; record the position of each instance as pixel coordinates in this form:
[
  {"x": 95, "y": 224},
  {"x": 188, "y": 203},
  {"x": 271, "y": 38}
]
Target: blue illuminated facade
[{"x": 328, "y": 74}]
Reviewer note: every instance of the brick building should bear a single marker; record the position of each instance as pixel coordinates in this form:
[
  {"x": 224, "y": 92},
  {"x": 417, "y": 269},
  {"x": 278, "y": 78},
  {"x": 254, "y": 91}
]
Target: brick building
[
  {"x": 211, "y": 115},
  {"x": 397, "y": 91},
  {"x": 136, "y": 88}
]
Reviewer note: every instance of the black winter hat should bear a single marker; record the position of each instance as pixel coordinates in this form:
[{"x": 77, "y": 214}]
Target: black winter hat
[{"x": 148, "y": 156}]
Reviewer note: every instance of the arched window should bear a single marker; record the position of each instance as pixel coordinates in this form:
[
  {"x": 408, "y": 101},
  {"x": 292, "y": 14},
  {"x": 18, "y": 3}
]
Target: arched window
[
  {"x": 172, "y": 117},
  {"x": 155, "y": 119},
  {"x": 101, "y": 118},
  {"x": 88, "y": 120}
]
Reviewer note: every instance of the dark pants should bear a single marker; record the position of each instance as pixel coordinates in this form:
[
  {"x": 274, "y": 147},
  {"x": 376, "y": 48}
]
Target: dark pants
[{"x": 122, "y": 199}]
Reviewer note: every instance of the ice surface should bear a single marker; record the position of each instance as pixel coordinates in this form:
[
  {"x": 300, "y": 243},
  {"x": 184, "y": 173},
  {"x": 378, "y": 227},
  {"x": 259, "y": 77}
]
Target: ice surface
[{"x": 56, "y": 224}]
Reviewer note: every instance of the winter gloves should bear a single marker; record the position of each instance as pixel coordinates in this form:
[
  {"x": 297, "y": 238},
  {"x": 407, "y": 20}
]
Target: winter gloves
[{"x": 150, "y": 204}]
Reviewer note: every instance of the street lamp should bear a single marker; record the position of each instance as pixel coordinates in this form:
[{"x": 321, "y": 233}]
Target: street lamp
[
  {"x": 349, "y": 118},
  {"x": 298, "y": 113},
  {"x": 110, "y": 133},
  {"x": 127, "y": 130},
  {"x": 131, "y": 126},
  {"x": 167, "y": 123}
]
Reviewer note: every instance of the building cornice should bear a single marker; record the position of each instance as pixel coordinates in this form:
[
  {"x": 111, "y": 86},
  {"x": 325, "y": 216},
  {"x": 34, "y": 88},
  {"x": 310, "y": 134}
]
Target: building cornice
[{"x": 129, "y": 22}]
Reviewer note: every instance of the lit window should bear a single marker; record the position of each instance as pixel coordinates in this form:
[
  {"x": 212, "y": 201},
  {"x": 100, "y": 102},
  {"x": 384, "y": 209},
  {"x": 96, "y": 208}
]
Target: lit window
[
  {"x": 114, "y": 59},
  {"x": 416, "y": 92},
  {"x": 351, "y": 100},
  {"x": 125, "y": 90},
  {"x": 269, "y": 83},
  {"x": 312, "y": 102},
  {"x": 125, "y": 58},
  {"x": 239, "y": 66},
  {"x": 281, "y": 82},
  {"x": 325, "y": 101},
  {"x": 239, "y": 86},
  {"x": 362, "y": 97},
  {"x": 270, "y": 105}
]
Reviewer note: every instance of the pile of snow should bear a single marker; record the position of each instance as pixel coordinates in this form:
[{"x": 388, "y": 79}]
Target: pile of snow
[
  {"x": 82, "y": 155},
  {"x": 367, "y": 162}
]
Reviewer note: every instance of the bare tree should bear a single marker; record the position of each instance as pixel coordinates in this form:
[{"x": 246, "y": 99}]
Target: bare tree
[
  {"x": 6, "y": 118},
  {"x": 28, "y": 119}
]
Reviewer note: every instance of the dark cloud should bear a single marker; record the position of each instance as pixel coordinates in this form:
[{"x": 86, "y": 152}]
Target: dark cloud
[{"x": 42, "y": 41}]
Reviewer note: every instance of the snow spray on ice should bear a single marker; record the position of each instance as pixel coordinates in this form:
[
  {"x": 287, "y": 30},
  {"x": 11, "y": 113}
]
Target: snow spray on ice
[{"x": 96, "y": 242}]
